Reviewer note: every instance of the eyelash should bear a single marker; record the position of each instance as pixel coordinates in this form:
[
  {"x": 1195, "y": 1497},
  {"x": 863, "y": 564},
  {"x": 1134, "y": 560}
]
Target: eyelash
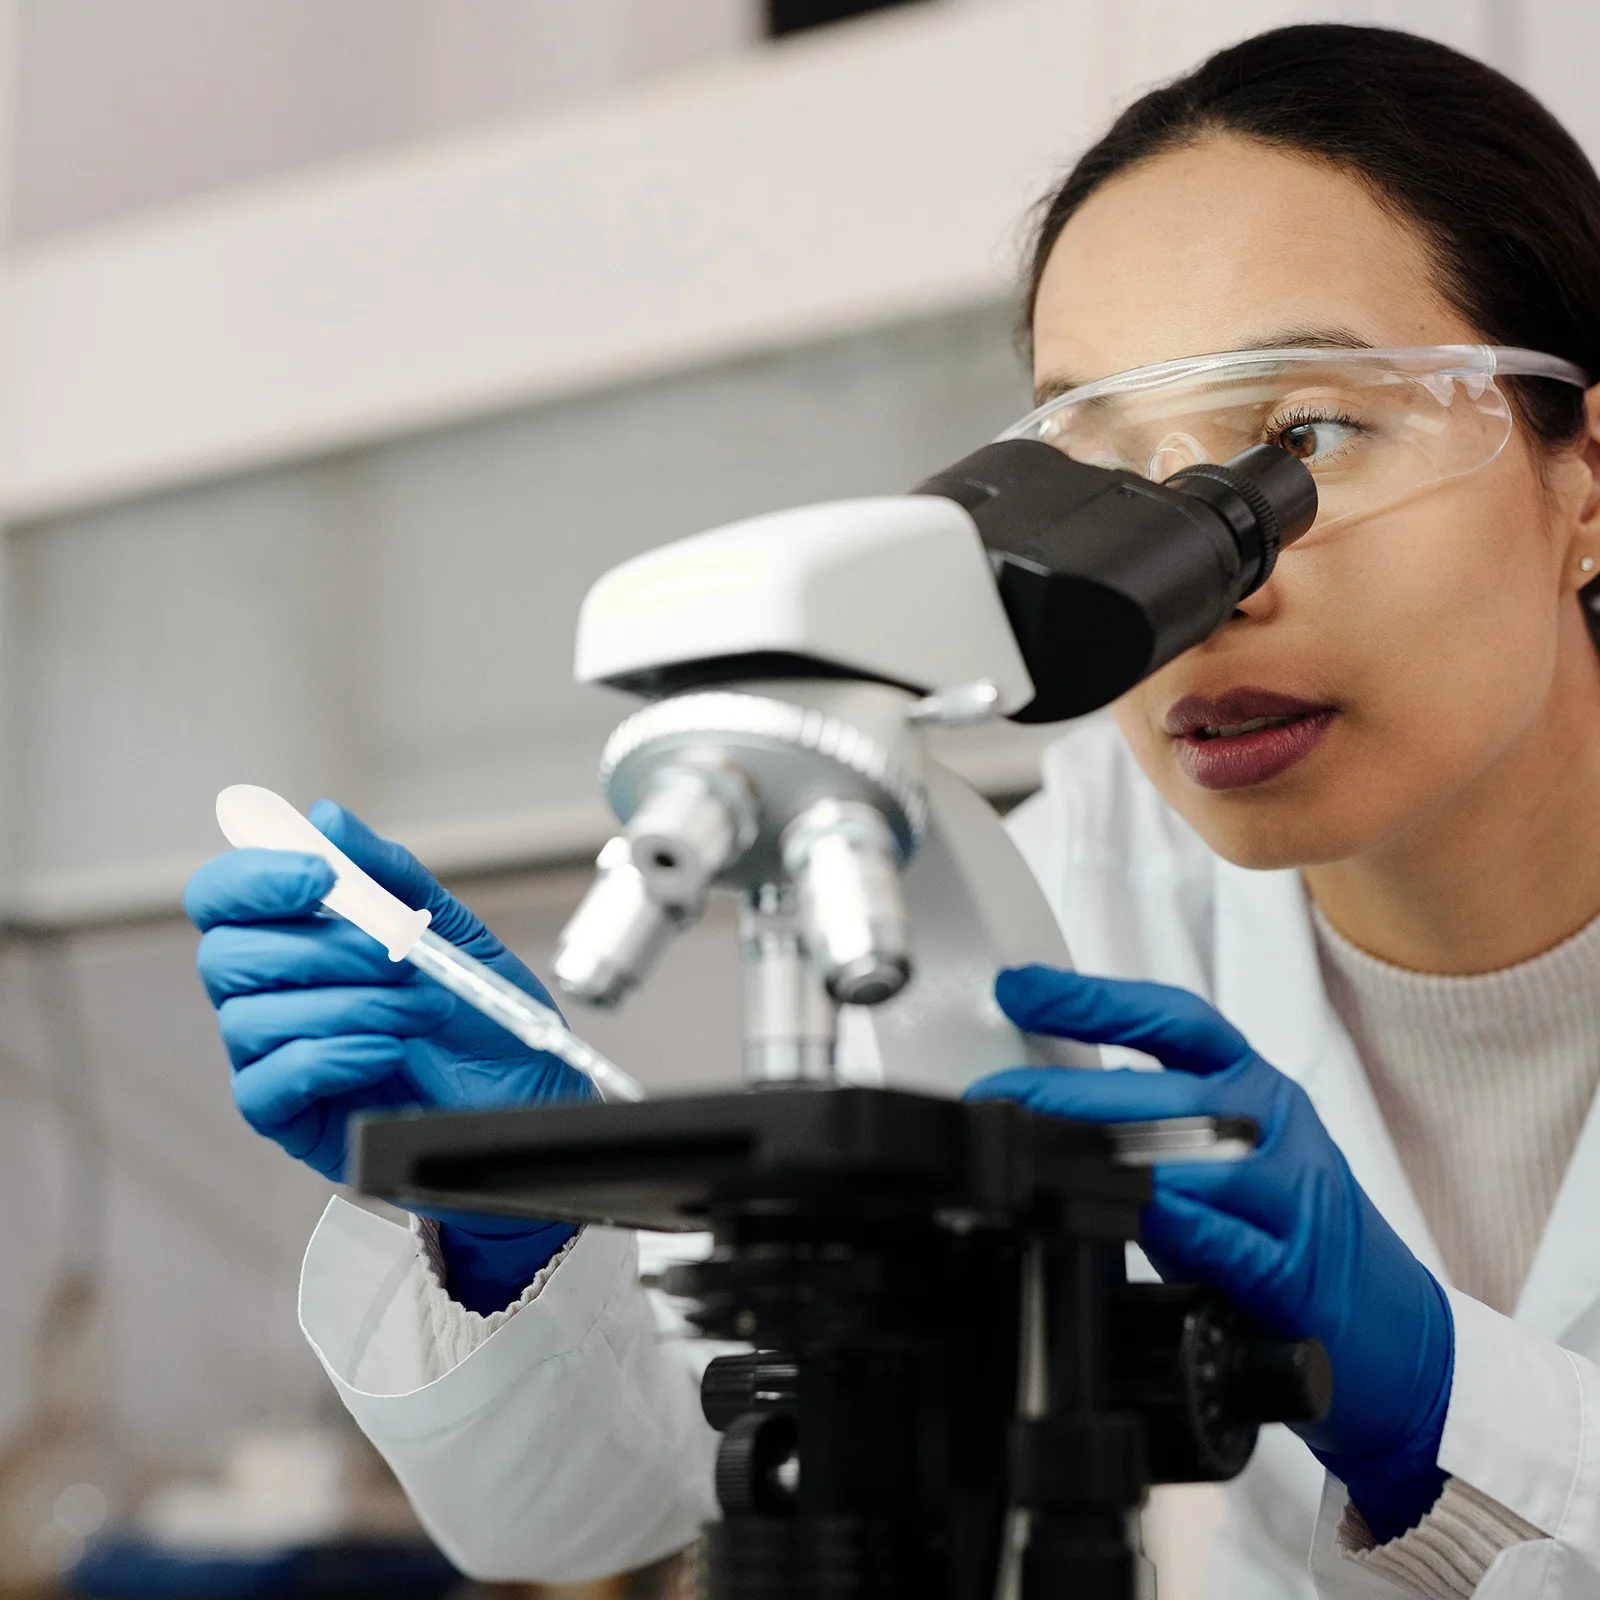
[{"x": 1308, "y": 417}]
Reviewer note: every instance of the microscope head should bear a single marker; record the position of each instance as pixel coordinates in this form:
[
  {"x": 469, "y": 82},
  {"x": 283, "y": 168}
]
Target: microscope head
[{"x": 895, "y": 590}]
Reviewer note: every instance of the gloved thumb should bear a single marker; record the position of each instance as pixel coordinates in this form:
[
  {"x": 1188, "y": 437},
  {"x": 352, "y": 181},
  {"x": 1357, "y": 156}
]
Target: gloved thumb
[
  {"x": 400, "y": 872},
  {"x": 1178, "y": 1028}
]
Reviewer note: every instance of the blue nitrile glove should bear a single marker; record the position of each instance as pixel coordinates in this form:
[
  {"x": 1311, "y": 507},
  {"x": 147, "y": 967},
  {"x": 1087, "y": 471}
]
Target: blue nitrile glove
[
  {"x": 320, "y": 1024},
  {"x": 1287, "y": 1233}
]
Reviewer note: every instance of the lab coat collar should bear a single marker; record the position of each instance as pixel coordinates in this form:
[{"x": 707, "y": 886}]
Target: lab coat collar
[
  {"x": 1269, "y": 985},
  {"x": 1561, "y": 1296}
]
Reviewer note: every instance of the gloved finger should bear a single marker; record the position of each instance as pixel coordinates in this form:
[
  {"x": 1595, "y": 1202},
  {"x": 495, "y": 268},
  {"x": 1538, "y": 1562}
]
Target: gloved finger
[
  {"x": 1252, "y": 1189},
  {"x": 310, "y": 1138},
  {"x": 254, "y": 1025},
  {"x": 1094, "y": 1095},
  {"x": 1264, "y": 1188},
  {"x": 1178, "y": 1028},
  {"x": 402, "y": 874},
  {"x": 237, "y": 958},
  {"x": 1247, "y": 1188},
  {"x": 275, "y": 1090},
  {"x": 256, "y": 886},
  {"x": 317, "y": 1135},
  {"x": 1193, "y": 1241}
]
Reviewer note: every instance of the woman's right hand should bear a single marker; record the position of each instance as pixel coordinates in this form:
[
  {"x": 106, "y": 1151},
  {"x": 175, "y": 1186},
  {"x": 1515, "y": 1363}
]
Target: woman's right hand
[{"x": 319, "y": 1024}]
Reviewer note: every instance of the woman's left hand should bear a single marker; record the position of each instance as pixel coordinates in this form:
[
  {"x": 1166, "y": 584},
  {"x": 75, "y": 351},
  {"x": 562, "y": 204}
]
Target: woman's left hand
[{"x": 1286, "y": 1233}]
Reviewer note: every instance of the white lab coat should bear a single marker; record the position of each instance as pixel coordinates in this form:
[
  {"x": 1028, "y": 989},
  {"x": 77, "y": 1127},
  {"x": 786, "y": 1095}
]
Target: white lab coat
[{"x": 569, "y": 1444}]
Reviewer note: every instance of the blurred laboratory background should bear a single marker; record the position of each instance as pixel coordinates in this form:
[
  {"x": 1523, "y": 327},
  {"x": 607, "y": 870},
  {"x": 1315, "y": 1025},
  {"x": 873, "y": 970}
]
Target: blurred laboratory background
[{"x": 343, "y": 343}]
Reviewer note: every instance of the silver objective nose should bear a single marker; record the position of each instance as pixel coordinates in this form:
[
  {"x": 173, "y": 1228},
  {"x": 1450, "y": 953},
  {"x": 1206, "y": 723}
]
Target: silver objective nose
[
  {"x": 613, "y": 937},
  {"x": 652, "y": 879},
  {"x": 842, "y": 859},
  {"x": 693, "y": 821}
]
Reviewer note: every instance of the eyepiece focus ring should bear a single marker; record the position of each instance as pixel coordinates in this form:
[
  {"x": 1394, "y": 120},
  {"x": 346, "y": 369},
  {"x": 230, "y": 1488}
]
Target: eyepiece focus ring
[{"x": 1278, "y": 495}]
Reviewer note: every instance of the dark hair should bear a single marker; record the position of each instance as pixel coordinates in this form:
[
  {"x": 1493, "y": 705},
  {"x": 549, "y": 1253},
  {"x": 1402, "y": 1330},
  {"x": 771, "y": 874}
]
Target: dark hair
[{"x": 1501, "y": 192}]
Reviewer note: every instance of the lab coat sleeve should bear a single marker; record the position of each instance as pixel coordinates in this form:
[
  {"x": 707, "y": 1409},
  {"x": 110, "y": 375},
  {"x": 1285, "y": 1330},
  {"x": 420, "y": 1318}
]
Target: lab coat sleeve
[
  {"x": 568, "y": 1445},
  {"x": 1523, "y": 1431}
]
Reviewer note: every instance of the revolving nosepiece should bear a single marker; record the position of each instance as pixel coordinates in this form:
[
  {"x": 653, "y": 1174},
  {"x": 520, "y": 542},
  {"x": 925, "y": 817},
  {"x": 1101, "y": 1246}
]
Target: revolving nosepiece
[
  {"x": 844, "y": 865},
  {"x": 613, "y": 938}
]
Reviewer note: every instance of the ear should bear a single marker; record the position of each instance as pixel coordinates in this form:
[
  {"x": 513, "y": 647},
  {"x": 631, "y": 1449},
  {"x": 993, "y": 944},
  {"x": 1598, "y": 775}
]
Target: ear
[{"x": 1584, "y": 487}]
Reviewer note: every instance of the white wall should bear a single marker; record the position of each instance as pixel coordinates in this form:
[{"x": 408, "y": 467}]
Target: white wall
[
  {"x": 777, "y": 193},
  {"x": 123, "y": 107},
  {"x": 1555, "y": 47}
]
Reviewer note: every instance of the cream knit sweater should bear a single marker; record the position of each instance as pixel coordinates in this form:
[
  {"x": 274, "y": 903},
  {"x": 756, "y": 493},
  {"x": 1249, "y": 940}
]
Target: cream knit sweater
[{"x": 1484, "y": 1083}]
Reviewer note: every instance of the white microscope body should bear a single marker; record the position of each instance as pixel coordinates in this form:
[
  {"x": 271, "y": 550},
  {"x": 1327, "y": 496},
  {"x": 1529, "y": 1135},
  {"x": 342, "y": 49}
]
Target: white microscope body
[{"x": 880, "y": 893}]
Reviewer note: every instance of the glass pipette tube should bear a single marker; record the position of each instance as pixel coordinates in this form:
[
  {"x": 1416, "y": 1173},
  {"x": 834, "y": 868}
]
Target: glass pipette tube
[{"x": 538, "y": 1026}]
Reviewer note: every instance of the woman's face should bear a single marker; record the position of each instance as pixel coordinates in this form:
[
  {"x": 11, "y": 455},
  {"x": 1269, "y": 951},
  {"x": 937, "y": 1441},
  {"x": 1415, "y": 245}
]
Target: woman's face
[{"x": 1426, "y": 645}]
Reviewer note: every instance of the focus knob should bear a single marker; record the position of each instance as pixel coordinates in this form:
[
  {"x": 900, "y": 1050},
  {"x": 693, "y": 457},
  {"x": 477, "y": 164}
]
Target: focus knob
[
  {"x": 758, "y": 1465},
  {"x": 1204, "y": 1378},
  {"x": 1276, "y": 1380},
  {"x": 763, "y": 1380}
]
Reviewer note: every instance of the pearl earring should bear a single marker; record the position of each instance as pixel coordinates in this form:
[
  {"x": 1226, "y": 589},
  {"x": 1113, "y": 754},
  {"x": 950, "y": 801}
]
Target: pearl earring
[{"x": 1587, "y": 564}]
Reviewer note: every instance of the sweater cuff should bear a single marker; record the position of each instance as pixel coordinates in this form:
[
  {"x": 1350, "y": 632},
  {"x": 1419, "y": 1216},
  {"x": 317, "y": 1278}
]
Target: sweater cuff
[
  {"x": 452, "y": 1332},
  {"x": 1447, "y": 1554}
]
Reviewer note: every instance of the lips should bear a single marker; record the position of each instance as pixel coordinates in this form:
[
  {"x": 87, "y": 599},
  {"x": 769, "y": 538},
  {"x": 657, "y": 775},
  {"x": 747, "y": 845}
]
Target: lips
[{"x": 1245, "y": 736}]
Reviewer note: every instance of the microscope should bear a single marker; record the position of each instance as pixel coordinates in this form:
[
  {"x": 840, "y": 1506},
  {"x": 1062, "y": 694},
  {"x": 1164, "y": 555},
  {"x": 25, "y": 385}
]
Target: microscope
[{"x": 952, "y": 1390}]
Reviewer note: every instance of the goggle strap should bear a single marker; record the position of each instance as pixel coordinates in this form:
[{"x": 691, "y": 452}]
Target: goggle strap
[{"x": 1511, "y": 362}]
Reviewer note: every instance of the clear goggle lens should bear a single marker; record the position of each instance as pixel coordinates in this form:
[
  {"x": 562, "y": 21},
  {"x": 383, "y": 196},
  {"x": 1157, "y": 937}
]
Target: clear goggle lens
[{"x": 1376, "y": 428}]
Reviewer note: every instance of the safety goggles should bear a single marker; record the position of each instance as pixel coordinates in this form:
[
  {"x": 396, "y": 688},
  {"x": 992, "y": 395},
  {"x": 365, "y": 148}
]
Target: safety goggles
[{"x": 1376, "y": 427}]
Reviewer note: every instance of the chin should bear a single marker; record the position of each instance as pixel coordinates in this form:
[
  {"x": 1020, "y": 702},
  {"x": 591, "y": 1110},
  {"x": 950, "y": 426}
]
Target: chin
[
  {"x": 1262, "y": 852},
  {"x": 1272, "y": 837}
]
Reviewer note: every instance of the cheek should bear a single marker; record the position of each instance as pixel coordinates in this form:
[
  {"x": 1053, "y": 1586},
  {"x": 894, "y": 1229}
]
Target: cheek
[
  {"x": 1436, "y": 633},
  {"x": 1440, "y": 630}
]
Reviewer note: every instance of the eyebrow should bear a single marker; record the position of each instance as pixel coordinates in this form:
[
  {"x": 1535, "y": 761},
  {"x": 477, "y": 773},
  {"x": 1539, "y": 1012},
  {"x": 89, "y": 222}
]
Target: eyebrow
[{"x": 1330, "y": 337}]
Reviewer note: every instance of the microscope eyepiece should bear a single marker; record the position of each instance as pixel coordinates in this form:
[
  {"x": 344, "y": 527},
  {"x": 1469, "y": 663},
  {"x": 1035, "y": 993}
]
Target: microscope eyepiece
[
  {"x": 1106, "y": 576},
  {"x": 1266, "y": 496}
]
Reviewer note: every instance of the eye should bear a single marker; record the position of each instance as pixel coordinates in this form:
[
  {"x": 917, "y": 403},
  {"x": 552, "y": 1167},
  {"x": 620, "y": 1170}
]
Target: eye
[{"x": 1314, "y": 438}]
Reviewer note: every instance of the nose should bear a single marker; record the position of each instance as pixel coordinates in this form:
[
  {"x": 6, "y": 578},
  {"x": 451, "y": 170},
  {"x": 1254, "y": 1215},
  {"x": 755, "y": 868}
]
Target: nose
[{"x": 1258, "y": 605}]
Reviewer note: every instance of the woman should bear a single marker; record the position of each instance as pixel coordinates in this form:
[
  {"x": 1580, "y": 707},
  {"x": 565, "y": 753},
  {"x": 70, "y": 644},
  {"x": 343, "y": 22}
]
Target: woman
[{"x": 1356, "y": 821}]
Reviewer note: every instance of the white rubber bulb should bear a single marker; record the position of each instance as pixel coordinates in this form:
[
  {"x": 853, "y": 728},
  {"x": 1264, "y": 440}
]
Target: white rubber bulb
[{"x": 253, "y": 817}]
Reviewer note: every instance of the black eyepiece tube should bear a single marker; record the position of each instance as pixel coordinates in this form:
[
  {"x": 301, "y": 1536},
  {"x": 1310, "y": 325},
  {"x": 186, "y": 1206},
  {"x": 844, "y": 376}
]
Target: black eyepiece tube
[
  {"x": 1106, "y": 576},
  {"x": 1268, "y": 498}
]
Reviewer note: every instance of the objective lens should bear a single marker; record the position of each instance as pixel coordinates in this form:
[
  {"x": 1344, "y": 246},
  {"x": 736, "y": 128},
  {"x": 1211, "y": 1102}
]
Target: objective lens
[
  {"x": 614, "y": 936},
  {"x": 844, "y": 864},
  {"x": 693, "y": 821}
]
